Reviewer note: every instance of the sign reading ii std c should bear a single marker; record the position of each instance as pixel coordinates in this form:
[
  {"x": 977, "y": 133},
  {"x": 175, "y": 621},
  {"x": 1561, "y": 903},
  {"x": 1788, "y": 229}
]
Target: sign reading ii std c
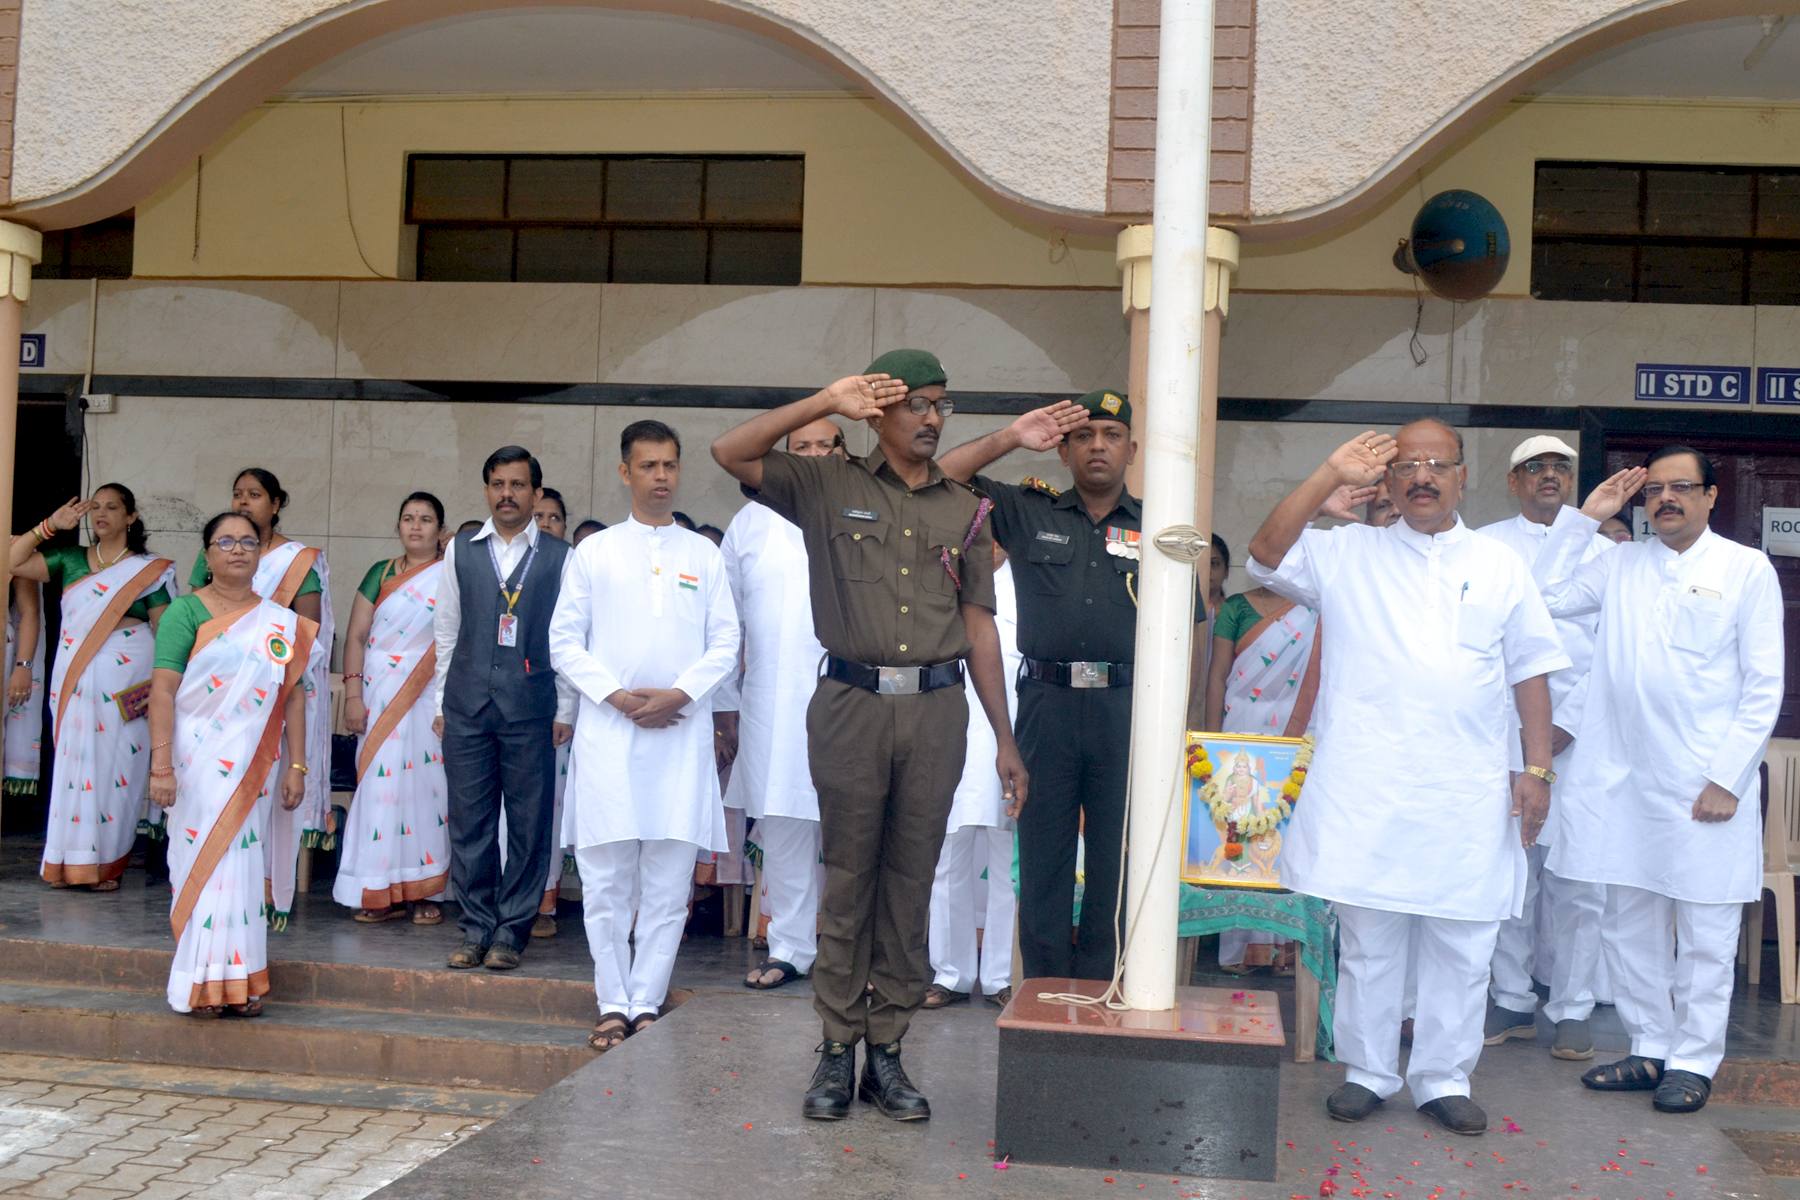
[{"x": 1684, "y": 384}]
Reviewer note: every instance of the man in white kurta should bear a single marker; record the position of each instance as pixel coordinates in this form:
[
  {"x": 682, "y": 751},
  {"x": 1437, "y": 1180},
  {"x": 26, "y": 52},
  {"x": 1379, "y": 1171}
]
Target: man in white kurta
[
  {"x": 1556, "y": 937},
  {"x": 974, "y": 870},
  {"x": 1661, "y": 802},
  {"x": 646, "y": 630},
  {"x": 765, "y": 559},
  {"x": 1406, "y": 822}
]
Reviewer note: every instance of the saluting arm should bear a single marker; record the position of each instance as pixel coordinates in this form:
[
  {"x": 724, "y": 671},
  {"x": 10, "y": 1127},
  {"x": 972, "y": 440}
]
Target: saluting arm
[
  {"x": 988, "y": 673},
  {"x": 740, "y": 451},
  {"x": 1040, "y": 429},
  {"x": 1358, "y": 463}
]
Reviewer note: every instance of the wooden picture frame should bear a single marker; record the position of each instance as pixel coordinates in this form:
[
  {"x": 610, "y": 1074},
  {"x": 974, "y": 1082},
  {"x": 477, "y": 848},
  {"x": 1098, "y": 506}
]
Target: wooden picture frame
[{"x": 1240, "y": 786}]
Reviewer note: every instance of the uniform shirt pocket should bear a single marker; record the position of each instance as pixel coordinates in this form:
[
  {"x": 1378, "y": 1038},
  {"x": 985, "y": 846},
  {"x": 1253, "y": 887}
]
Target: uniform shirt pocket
[
  {"x": 936, "y": 578},
  {"x": 857, "y": 548},
  {"x": 1046, "y": 556},
  {"x": 1126, "y": 568},
  {"x": 1697, "y": 624}
]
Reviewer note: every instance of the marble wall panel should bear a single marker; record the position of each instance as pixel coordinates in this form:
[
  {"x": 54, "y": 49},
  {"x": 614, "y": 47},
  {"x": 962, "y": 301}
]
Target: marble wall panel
[
  {"x": 1002, "y": 340},
  {"x": 350, "y": 559},
  {"x": 284, "y": 328},
  {"x": 1521, "y": 351},
  {"x": 59, "y": 310},
  {"x": 382, "y": 451},
  {"x": 1299, "y": 347},
  {"x": 525, "y": 332},
  {"x": 742, "y": 336}
]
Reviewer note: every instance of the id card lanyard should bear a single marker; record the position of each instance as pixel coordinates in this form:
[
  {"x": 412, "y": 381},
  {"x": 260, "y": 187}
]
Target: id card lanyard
[{"x": 509, "y": 624}]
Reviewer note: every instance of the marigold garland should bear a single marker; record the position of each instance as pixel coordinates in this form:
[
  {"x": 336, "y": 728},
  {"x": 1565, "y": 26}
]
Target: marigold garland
[{"x": 1200, "y": 767}]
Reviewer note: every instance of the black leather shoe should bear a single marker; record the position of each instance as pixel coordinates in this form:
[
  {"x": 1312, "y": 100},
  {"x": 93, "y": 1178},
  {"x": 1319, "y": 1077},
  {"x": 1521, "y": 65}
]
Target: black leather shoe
[
  {"x": 466, "y": 956},
  {"x": 1458, "y": 1114},
  {"x": 1681, "y": 1092},
  {"x": 828, "y": 1099},
  {"x": 500, "y": 958},
  {"x": 1351, "y": 1102},
  {"x": 885, "y": 1085}
]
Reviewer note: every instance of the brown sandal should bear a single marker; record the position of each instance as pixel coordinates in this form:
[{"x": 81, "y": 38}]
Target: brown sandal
[
  {"x": 611, "y": 1032},
  {"x": 207, "y": 1012},
  {"x": 938, "y": 996},
  {"x": 642, "y": 1023},
  {"x": 252, "y": 1008},
  {"x": 426, "y": 913},
  {"x": 105, "y": 885},
  {"x": 370, "y": 916}
]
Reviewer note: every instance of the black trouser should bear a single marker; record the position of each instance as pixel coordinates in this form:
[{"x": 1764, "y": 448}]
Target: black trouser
[
  {"x": 485, "y": 756},
  {"x": 1076, "y": 743},
  {"x": 886, "y": 769}
]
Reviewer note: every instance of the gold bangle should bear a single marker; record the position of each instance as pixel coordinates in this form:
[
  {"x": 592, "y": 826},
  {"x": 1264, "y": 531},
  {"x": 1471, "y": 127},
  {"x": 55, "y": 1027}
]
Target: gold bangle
[{"x": 300, "y": 767}]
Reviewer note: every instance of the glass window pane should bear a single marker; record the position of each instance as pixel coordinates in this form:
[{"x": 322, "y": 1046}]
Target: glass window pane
[
  {"x": 1778, "y": 206},
  {"x": 1580, "y": 270},
  {"x": 457, "y": 189},
  {"x": 465, "y": 255},
  {"x": 1697, "y": 203},
  {"x": 659, "y": 256},
  {"x": 1588, "y": 199},
  {"x": 554, "y": 189},
  {"x": 764, "y": 190},
  {"x": 561, "y": 255},
  {"x": 1775, "y": 277},
  {"x": 1691, "y": 275},
  {"x": 763, "y": 256},
  {"x": 653, "y": 189}
]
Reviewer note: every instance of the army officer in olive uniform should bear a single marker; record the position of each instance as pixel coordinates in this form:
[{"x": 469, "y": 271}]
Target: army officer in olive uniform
[
  {"x": 902, "y": 580},
  {"x": 1075, "y": 564}
]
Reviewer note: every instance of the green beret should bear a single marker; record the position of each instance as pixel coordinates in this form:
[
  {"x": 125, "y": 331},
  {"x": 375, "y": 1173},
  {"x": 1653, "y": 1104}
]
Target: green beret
[
  {"x": 916, "y": 368},
  {"x": 1107, "y": 406}
]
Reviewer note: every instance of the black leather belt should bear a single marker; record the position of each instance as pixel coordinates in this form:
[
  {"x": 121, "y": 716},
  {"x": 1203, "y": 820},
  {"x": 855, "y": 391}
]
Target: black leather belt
[
  {"x": 1079, "y": 674},
  {"x": 894, "y": 681}
]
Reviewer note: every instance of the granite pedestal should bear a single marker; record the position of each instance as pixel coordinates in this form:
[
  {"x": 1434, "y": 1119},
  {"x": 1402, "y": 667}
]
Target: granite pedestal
[{"x": 1189, "y": 1091}]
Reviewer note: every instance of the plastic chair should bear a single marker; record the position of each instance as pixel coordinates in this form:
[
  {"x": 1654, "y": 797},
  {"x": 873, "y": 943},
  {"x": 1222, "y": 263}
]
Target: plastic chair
[{"x": 1781, "y": 841}]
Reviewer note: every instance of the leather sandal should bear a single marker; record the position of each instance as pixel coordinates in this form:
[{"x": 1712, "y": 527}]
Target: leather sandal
[
  {"x": 105, "y": 885},
  {"x": 610, "y": 1032},
  {"x": 1633, "y": 1073},
  {"x": 375, "y": 916},
  {"x": 251, "y": 1008},
  {"x": 789, "y": 973},
  {"x": 1681, "y": 1092},
  {"x": 939, "y": 996},
  {"x": 425, "y": 912},
  {"x": 642, "y": 1023}
]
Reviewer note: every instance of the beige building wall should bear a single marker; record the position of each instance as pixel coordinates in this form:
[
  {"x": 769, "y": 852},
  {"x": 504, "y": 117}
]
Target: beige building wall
[{"x": 882, "y": 205}]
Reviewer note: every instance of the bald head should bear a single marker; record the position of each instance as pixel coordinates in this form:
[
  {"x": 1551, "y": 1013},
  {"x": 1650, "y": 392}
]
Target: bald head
[
  {"x": 816, "y": 439},
  {"x": 1427, "y": 477}
]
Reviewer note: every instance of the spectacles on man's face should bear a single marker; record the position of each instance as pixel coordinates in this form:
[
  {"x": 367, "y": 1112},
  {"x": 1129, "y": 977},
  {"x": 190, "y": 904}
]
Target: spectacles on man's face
[
  {"x": 1680, "y": 487},
  {"x": 918, "y": 404},
  {"x": 228, "y": 544},
  {"x": 1538, "y": 466},
  {"x": 1438, "y": 468}
]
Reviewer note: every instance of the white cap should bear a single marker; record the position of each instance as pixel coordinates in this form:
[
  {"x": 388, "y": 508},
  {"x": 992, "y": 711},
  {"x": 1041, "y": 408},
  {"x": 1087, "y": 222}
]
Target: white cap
[{"x": 1543, "y": 443}]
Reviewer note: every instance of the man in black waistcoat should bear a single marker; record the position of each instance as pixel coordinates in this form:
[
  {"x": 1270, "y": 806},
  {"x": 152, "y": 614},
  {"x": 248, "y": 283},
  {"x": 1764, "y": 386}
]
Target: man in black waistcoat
[{"x": 501, "y": 711}]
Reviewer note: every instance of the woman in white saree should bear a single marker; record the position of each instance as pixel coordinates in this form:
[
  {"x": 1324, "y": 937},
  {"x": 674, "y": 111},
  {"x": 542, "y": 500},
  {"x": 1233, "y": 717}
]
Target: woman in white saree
[
  {"x": 396, "y": 840},
  {"x": 112, "y": 594},
  {"x": 229, "y": 666}
]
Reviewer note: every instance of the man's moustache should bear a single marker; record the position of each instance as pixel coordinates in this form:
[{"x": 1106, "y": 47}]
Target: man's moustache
[
  {"x": 1669, "y": 508},
  {"x": 1422, "y": 489}
]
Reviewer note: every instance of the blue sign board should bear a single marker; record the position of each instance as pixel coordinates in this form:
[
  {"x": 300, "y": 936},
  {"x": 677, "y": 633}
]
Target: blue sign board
[
  {"x": 1778, "y": 385},
  {"x": 1715, "y": 385},
  {"x": 31, "y": 349}
]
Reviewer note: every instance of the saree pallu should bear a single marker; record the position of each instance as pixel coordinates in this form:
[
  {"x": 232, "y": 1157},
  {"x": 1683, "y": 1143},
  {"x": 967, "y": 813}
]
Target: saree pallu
[
  {"x": 396, "y": 841},
  {"x": 101, "y": 763},
  {"x": 228, "y": 728},
  {"x": 279, "y": 574},
  {"x": 1274, "y": 676},
  {"x": 25, "y": 721}
]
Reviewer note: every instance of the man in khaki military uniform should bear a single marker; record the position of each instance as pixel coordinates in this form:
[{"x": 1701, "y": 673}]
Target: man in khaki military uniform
[{"x": 901, "y": 563}]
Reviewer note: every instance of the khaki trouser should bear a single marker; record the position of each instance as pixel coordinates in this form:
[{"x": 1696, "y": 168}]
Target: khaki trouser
[{"x": 886, "y": 770}]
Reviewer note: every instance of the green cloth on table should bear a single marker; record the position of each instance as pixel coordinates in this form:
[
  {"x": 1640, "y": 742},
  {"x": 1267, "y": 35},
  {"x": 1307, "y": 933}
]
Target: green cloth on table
[
  {"x": 67, "y": 564},
  {"x": 1307, "y": 919}
]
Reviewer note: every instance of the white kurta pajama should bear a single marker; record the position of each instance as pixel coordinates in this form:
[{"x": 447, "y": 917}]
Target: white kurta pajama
[
  {"x": 642, "y": 606},
  {"x": 1556, "y": 937},
  {"x": 1407, "y": 819},
  {"x": 765, "y": 559},
  {"x": 1685, "y": 688},
  {"x": 979, "y": 842}
]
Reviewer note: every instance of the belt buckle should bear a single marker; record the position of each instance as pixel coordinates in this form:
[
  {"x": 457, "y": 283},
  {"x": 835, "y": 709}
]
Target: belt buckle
[
  {"x": 1088, "y": 675},
  {"x": 897, "y": 681}
]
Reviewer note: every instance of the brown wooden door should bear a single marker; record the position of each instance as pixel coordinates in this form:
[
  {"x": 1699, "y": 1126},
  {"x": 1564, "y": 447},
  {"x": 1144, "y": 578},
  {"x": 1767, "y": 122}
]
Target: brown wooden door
[{"x": 1752, "y": 476}]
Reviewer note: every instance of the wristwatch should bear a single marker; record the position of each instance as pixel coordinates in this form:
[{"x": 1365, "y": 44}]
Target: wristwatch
[{"x": 1543, "y": 773}]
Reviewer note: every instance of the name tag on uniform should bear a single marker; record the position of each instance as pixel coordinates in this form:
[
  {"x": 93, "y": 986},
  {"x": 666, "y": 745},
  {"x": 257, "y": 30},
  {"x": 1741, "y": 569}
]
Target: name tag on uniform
[
  {"x": 1044, "y": 535},
  {"x": 509, "y": 630},
  {"x": 861, "y": 514}
]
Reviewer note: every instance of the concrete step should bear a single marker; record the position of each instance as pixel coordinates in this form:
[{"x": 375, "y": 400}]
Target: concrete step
[{"x": 309, "y": 1038}]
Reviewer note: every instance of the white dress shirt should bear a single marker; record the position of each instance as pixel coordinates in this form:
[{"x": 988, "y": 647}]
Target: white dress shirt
[
  {"x": 1408, "y": 806},
  {"x": 447, "y": 619},
  {"x": 1685, "y": 688},
  {"x": 978, "y": 799}
]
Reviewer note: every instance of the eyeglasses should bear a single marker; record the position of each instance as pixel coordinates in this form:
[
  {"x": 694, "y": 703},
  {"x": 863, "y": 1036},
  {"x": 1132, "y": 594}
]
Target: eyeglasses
[
  {"x": 1680, "y": 487},
  {"x": 918, "y": 404},
  {"x": 1538, "y": 466},
  {"x": 229, "y": 544},
  {"x": 1438, "y": 467}
]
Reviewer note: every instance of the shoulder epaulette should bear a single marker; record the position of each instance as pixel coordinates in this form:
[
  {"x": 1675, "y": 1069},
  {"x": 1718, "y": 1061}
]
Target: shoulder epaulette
[{"x": 1034, "y": 484}]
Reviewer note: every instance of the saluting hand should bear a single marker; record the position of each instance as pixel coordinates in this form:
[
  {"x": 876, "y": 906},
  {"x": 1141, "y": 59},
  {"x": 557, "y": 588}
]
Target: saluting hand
[
  {"x": 1607, "y": 499},
  {"x": 1363, "y": 459},
  {"x": 69, "y": 515},
  {"x": 1044, "y": 428},
  {"x": 860, "y": 397},
  {"x": 1343, "y": 503}
]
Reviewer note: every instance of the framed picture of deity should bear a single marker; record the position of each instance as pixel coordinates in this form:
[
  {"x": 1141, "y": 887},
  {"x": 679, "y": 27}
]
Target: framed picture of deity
[{"x": 1240, "y": 796}]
